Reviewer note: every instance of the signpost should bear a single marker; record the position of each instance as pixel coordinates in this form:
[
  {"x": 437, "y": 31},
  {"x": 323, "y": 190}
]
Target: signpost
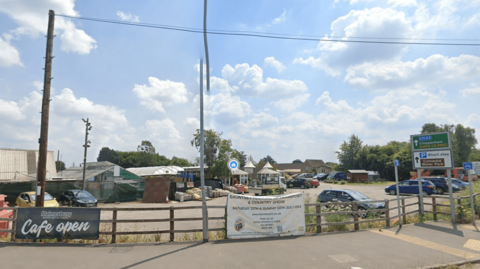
[
  {"x": 433, "y": 151},
  {"x": 468, "y": 166},
  {"x": 397, "y": 163}
]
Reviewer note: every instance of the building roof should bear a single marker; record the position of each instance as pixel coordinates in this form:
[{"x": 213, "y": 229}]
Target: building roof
[
  {"x": 291, "y": 170},
  {"x": 155, "y": 170},
  {"x": 249, "y": 165},
  {"x": 357, "y": 171},
  {"x": 239, "y": 172},
  {"x": 21, "y": 164},
  {"x": 268, "y": 171},
  {"x": 315, "y": 163},
  {"x": 267, "y": 165}
]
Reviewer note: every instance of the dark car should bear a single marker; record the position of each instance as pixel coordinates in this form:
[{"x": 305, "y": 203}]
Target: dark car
[
  {"x": 320, "y": 177},
  {"x": 336, "y": 176},
  {"x": 411, "y": 186},
  {"x": 303, "y": 183},
  {"x": 78, "y": 198},
  {"x": 462, "y": 185},
  {"x": 338, "y": 195},
  {"x": 441, "y": 184}
]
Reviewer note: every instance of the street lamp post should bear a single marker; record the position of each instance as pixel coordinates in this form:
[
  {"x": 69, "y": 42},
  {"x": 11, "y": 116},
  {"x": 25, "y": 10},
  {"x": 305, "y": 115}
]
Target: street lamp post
[{"x": 88, "y": 127}]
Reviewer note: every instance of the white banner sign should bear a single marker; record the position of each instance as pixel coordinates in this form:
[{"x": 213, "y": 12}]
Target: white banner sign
[{"x": 251, "y": 216}]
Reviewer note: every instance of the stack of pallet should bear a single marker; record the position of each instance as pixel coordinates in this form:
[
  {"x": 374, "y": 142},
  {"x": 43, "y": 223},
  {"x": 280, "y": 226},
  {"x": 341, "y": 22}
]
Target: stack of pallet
[{"x": 181, "y": 196}]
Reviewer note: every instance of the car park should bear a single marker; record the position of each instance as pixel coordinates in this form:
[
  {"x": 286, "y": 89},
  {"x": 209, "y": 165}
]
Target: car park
[
  {"x": 411, "y": 186},
  {"x": 320, "y": 177},
  {"x": 441, "y": 184},
  {"x": 462, "y": 185},
  {"x": 302, "y": 183},
  {"x": 78, "y": 198},
  {"x": 336, "y": 176},
  {"x": 27, "y": 199},
  {"x": 340, "y": 195},
  {"x": 306, "y": 175}
]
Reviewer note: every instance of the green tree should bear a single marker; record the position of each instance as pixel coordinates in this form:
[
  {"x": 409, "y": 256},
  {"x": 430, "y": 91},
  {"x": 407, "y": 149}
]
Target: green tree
[
  {"x": 240, "y": 156},
  {"x": 297, "y": 161},
  {"x": 269, "y": 159},
  {"x": 60, "y": 166},
  {"x": 212, "y": 141},
  {"x": 109, "y": 155},
  {"x": 474, "y": 155},
  {"x": 180, "y": 162},
  {"x": 347, "y": 155}
]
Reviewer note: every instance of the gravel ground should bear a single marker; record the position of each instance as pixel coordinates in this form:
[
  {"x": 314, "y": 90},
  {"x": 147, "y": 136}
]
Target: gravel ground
[{"x": 373, "y": 191}]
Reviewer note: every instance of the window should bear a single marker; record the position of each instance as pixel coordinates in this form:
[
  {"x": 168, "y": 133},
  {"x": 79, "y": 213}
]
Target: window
[
  {"x": 330, "y": 193},
  {"x": 306, "y": 168},
  {"x": 323, "y": 169}
]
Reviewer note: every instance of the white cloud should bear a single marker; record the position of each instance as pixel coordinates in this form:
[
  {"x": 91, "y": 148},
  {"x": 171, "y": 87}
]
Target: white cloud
[
  {"x": 270, "y": 61},
  {"x": 227, "y": 109},
  {"x": 161, "y": 93},
  {"x": 280, "y": 19},
  {"x": 291, "y": 104},
  {"x": 467, "y": 93},
  {"x": 436, "y": 70},
  {"x": 9, "y": 55},
  {"x": 163, "y": 130},
  {"x": 248, "y": 81},
  {"x": 32, "y": 18},
  {"x": 374, "y": 22},
  {"x": 10, "y": 111},
  {"x": 127, "y": 17}
]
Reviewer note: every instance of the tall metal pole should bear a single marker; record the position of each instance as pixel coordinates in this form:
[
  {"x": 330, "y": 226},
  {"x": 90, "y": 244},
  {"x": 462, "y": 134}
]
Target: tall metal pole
[
  {"x": 205, "y": 43},
  {"x": 398, "y": 198},
  {"x": 420, "y": 190},
  {"x": 88, "y": 127},
  {"x": 47, "y": 81},
  {"x": 472, "y": 206},
  {"x": 202, "y": 170},
  {"x": 450, "y": 195}
]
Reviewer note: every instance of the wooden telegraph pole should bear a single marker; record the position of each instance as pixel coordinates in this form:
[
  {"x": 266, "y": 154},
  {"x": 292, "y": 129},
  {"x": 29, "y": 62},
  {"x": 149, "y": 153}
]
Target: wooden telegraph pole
[{"x": 42, "y": 151}]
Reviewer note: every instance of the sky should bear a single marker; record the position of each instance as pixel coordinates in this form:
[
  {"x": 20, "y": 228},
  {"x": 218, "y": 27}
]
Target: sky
[{"x": 290, "y": 99}]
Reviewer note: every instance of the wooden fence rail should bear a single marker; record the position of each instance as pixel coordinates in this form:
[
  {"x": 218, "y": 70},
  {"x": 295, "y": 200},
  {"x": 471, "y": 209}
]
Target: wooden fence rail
[{"x": 320, "y": 215}]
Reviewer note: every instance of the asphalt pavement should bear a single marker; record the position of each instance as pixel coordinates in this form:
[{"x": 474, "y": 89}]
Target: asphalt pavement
[{"x": 424, "y": 245}]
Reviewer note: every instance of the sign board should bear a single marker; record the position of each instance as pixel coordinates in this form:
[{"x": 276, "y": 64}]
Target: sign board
[
  {"x": 253, "y": 217},
  {"x": 476, "y": 166},
  {"x": 424, "y": 142},
  {"x": 396, "y": 162},
  {"x": 440, "y": 159},
  {"x": 467, "y": 166},
  {"x": 233, "y": 164},
  {"x": 59, "y": 223}
]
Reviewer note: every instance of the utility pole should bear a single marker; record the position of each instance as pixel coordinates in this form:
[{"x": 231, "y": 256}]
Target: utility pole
[
  {"x": 43, "y": 141},
  {"x": 88, "y": 127},
  {"x": 202, "y": 163}
]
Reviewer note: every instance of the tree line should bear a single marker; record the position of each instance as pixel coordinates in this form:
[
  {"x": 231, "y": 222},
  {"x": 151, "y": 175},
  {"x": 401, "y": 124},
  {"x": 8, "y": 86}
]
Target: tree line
[
  {"x": 145, "y": 156},
  {"x": 352, "y": 154}
]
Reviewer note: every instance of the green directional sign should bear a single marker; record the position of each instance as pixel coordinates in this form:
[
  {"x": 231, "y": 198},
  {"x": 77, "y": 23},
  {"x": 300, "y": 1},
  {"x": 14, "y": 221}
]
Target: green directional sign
[{"x": 430, "y": 141}]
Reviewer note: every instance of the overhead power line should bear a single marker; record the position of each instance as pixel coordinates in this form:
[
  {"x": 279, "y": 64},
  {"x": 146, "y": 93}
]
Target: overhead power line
[{"x": 368, "y": 40}]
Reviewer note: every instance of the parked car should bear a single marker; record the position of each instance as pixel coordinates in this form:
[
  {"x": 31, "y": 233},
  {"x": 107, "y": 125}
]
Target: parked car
[
  {"x": 462, "y": 185},
  {"x": 441, "y": 184},
  {"x": 320, "y": 177},
  {"x": 336, "y": 176},
  {"x": 302, "y": 183},
  {"x": 27, "y": 199},
  {"x": 306, "y": 175},
  {"x": 339, "y": 195},
  {"x": 78, "y": 198},
  {"x": 314, "y": 182},
  {"x": 411, "y": 186}
]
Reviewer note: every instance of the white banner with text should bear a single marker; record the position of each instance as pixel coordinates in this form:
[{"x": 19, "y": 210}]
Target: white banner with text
[{"x": 266, "y": 216}]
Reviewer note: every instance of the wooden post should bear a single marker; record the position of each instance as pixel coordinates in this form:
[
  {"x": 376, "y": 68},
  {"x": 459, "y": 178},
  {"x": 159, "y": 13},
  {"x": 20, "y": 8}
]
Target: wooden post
[
  {"x": 114, "y": 227},
  {"x": 318, "y": 210},
  {"x": 43, "y": 140},
  {"x": 434, "y": 206},
  {"x": 14, "y": 224},
  {"x": 403, "y": 211},
  {"x": 387, "y": 214},
  {"x": 356, "y": 225},
  {"x": 172, "y": 225}
]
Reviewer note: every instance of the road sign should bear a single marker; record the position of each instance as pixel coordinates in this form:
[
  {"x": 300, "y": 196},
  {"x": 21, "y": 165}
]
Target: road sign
[
  {"x": 467, "y": 166},
  {"x": 476, "y": 166},
  {"x": 440, "y": 159},
  {"x": 426, "y": 142},
  {"x": 233, "y": 164},
  {"x": 396, "y": 162}
]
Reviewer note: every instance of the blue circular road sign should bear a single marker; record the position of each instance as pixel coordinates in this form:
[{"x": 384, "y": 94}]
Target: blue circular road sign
[
  {"x": 396, "y": 162},
  {"x": 233, "y": 164}
]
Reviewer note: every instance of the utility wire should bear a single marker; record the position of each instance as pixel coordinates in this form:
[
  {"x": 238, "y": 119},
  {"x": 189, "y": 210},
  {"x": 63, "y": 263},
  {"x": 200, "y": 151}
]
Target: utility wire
[{"x": 373, "y": 40}]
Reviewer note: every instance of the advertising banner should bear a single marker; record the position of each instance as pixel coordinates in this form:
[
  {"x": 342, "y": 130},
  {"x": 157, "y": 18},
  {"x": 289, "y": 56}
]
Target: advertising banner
[
  {"x": 60, "y": 223},
  {"x": 251, "y": 216}
]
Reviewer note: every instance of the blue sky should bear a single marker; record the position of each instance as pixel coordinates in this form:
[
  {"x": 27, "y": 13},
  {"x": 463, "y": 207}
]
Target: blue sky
[{"x": 286, "y": 98}]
